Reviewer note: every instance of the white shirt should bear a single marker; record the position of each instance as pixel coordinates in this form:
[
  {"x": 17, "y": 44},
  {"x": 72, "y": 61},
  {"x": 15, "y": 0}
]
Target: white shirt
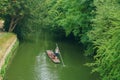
[{"x": 56, "y": 50}]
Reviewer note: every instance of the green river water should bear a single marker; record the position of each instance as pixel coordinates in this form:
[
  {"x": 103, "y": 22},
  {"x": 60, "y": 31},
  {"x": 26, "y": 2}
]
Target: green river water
[{"x": 31, "y": 62}]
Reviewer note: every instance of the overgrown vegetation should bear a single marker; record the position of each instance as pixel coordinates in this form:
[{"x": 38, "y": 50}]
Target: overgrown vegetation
[
  {"x": 105, "y": 36},
  {"x": 12, "y": 11},
  {"x": 95, "y": 23}
]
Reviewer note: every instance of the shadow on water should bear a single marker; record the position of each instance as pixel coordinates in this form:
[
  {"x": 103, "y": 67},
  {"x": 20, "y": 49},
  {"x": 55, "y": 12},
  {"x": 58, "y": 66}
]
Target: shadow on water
[{"x": 32, "y": 63}]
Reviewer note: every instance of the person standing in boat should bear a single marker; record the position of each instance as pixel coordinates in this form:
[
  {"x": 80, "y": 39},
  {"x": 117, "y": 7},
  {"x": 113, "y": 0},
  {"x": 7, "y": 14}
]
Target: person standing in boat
[{"x": 57, "y": 51}]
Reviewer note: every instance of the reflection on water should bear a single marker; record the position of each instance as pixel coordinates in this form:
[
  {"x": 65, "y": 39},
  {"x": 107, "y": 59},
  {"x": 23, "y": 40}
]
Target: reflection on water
[
  {"x": 32, "y": 63},
  {"x": 43, "y": 70}
]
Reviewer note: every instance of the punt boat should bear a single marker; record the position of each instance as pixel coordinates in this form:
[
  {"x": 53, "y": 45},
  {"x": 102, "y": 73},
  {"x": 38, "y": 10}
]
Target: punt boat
[{"x": 52, "y": 56}]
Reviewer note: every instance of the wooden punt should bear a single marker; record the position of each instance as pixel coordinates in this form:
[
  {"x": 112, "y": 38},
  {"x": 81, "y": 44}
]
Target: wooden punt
[{"x": 52, "y": 56}]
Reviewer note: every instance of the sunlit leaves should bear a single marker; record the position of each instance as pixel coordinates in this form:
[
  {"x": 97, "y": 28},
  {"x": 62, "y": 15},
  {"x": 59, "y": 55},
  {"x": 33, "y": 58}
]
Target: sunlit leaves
[{"x": 105, "y": 35}]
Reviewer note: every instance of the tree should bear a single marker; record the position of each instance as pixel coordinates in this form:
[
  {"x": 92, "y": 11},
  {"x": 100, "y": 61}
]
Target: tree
[
  {"x": 75, "y": 17},
  {"x": 14, "y": 11},
  {"x": 105, "y": 35}
]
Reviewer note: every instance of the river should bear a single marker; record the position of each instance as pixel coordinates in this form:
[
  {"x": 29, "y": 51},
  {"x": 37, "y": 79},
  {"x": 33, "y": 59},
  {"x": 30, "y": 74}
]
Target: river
[{"x": 32, "y": 63}]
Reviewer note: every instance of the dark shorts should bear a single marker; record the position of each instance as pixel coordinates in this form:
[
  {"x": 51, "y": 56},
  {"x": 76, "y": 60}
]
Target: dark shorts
[{"x": 57, "y": 54}]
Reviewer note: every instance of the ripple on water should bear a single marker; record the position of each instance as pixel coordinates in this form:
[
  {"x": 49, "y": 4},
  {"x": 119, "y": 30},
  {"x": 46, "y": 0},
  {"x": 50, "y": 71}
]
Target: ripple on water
[{"x": 43, "y": 70}]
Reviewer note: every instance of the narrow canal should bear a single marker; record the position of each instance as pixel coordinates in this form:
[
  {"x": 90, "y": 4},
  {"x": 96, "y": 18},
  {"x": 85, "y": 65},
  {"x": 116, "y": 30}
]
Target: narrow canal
[{"x": 32, "y": 63}]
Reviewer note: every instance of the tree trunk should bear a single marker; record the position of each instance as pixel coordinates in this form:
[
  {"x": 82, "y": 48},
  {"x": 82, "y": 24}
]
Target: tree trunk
[{"x": 13, "y": 23}]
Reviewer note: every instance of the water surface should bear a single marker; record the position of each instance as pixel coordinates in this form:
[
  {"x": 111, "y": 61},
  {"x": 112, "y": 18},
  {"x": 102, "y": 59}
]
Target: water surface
[{"x": 32, "y": 63}]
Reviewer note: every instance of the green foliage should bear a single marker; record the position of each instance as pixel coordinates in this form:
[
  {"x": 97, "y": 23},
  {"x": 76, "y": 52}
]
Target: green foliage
[
  {"x": 105, "y": 36},
  {"x": 12, "y": 11},
  {"x": 3, "y": 6},
  {"x": 95, "y": 22},
  {"x": 73, "y": 16},
  {"x": 35, "y": 20},
  {"x": 12, "y": 7}
]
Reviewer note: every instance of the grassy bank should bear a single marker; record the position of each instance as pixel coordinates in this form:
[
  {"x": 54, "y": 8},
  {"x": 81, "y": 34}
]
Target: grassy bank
[
  {"x": 6, "y": 41},
  {"x": 8, "y": 58}
]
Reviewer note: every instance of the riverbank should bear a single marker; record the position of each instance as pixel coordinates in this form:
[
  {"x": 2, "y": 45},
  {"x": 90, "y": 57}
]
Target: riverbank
[{"x": 8, "y": 43}]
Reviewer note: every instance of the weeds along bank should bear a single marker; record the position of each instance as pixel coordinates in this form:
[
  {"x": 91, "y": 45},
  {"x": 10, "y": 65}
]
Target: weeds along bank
[{"x": 8, "y": 45}]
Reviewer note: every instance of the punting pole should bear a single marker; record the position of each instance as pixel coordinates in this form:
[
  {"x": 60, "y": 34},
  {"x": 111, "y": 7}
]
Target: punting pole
[{"x": 60, "y": 55}]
